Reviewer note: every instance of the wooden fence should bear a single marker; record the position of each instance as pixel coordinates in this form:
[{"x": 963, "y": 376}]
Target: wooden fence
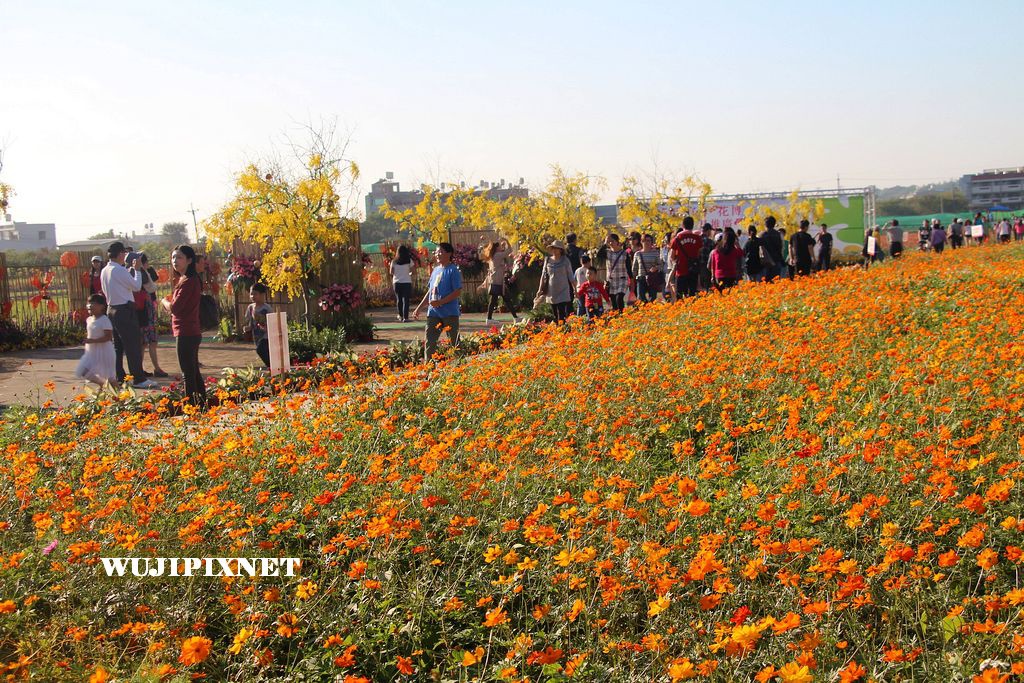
[
  {"x": 342, "y": 265},
  {"x": 25, "y": 297}
]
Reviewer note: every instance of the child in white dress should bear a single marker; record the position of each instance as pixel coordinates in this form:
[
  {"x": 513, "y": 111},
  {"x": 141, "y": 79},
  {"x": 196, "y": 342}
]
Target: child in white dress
[{"x": 97, "y": 364}]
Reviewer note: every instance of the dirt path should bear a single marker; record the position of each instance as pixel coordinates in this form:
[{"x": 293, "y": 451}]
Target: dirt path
[{"x": 34, "y": 377}]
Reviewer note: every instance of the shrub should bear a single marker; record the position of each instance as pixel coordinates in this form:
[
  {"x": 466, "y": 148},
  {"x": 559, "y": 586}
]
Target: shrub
[
  {"x": 40, "y": 333},
  {"x": 306, "y": 344}
]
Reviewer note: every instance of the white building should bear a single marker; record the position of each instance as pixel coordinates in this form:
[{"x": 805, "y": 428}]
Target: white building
[
  {"x": 15, "y": 236},
  {"x": 995, "y": 187}
]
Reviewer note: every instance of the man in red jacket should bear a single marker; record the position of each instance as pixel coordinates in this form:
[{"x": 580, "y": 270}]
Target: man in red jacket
[{"x": 686, "y": 246}]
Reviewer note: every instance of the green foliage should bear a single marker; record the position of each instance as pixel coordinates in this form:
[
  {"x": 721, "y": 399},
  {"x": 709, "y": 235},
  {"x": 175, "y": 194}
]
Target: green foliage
[
  {"x": 36, "y": 257},
  {"x": 40, "y": 333},
  {"x": 378, "y": 228},
  {"x": 307, "y": 344},
  {"x": 176, "y": 231}
]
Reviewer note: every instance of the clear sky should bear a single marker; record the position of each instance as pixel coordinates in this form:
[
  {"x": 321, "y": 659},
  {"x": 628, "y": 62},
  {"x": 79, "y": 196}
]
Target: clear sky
[{"x": 116, "y": 114}]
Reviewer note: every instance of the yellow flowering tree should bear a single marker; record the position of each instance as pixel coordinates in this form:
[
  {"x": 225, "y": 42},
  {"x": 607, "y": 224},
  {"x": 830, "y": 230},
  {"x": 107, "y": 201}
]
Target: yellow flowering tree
[
  {"x": 659, "y": 205},
  {"x": 292, "y": 217},
  {"x": 440, "y": 211},
  {"x": 565, "y": 205},
  {"x": 788, "y": 214}
]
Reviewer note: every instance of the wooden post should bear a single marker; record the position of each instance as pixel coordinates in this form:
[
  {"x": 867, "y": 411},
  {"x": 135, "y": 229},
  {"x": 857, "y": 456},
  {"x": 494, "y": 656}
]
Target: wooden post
[
  {"x": 5, "y": 287},
  {"x": 277, "y": 339}
]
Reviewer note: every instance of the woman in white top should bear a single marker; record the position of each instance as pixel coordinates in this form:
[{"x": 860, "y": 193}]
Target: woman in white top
[
  {"x": 498, "y": 255},
  {"x": 401, "y": 278}
]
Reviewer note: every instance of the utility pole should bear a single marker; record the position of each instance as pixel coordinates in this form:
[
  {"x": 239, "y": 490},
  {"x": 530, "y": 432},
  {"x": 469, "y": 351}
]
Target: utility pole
[
  {"x": 839, "y": 188},
  {"x": 195, "y": 225}
]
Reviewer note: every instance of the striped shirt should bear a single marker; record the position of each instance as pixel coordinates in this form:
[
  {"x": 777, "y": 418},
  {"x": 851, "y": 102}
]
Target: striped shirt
[
  {"x": 616, "y": 274},
  {"x": 643, "y": 261}
]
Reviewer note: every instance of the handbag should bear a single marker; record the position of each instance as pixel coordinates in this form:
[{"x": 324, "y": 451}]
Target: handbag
[
  {"x": 655, "y": 281},
  {"x": 141, "y": 297}
]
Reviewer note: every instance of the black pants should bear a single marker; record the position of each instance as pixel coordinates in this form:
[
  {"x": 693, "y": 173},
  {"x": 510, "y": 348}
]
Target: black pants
[
  {"x": 803, "y": 268},
  {"x": 403, "y": 293},
  {"x": 263, "y": 351},
  {"x": 492, "y": 305},
  {"x": 686, "y": 285},
  {"x": 825, "y": 262},
  {"x": 188, "y": 360},
  {"x": 618, "y": 301},
  {"x": 725, "y": 283},
  {"x": 127, "y": 341},
  {"x": 561, "y": 310}
]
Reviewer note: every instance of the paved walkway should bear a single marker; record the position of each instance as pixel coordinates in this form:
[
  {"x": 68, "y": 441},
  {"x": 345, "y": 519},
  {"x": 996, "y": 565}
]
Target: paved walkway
[{"x": 34, "y": 377}]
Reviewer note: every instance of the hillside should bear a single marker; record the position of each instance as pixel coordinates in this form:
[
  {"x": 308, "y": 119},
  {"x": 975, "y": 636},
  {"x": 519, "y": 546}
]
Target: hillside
[{"x": 811, "y": 480}]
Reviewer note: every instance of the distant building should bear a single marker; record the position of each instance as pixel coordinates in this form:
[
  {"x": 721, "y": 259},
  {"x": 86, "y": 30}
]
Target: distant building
[
  {"x": 16, "y": 236},
  {"x": 995, "y": 187},
  {"x": 608, "y": 214},
  {"x": 387, "y": 190}
]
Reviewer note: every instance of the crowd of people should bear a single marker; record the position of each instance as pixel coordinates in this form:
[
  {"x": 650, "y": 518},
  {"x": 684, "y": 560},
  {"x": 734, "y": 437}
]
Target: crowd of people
[
  {"x": 683, "y": 263},
  {"x": 933, "y": 236},
  {"x": 122, "y": 322}
]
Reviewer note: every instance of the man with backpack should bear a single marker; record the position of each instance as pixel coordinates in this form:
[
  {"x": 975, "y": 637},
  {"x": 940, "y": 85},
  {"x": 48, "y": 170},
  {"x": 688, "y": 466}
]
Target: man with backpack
[{"x": 686, "y": 249}]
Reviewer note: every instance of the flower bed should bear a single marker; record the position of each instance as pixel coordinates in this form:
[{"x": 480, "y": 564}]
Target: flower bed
[{"x": 816, "y": 480}]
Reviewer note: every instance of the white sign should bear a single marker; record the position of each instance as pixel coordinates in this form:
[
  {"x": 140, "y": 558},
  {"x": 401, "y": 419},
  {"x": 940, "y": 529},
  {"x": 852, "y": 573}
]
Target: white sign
[
  {"x": 977, "y": 231},
  {"x": 871, "y": 246},
  {"x": 277, "y": 338}
]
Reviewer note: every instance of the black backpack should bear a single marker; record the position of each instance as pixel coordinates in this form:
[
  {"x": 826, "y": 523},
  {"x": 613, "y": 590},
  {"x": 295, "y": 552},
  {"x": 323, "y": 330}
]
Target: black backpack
[{"x": 209, "y": 312}]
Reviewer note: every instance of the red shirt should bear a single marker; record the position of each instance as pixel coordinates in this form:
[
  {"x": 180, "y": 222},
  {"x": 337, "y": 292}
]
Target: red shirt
[
  {"x": 185, "y": 307},
  {"x": 592, "y": 293},
  {"x": 725, "y": 265},
  {"x": 686, "y": 246}
]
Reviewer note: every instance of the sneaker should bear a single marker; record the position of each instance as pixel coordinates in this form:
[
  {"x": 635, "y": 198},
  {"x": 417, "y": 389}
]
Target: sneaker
[
  {"x": 160, "y": 373},
  {"x": 145, "y": 384}
]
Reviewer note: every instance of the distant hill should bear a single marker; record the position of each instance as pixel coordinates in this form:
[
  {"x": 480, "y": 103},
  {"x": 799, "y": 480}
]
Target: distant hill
[
  {"x": 907, "y": 191},
  {"x": 920, "y": 200}
]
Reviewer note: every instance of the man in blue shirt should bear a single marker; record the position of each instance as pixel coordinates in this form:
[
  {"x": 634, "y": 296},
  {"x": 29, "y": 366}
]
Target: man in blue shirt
[{"x": 442, "y": 299}]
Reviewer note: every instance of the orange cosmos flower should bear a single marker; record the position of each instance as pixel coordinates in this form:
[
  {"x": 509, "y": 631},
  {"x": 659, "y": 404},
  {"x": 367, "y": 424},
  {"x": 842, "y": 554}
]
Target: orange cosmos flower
[
  {"x": 195, "y": 650},
  {"x": 495, "y": 617},
  {"x": 794, "y": 673},
  {"x": 405, "y": 666}
]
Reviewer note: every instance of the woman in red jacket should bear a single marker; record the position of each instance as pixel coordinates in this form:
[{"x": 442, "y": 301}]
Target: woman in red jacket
[
  {"x": 726, "y": 261},
  {"x": 184, "y": 307}
]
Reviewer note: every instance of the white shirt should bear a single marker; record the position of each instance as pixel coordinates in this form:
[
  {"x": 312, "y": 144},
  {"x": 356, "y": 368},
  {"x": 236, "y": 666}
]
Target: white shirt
[
  {"x": 401, "y": 273},
  {"x": 581, "y": 276},
  {"x": 118, "y": 284}
]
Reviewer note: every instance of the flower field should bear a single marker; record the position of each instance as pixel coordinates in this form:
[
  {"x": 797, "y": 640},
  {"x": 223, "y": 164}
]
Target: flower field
[{"x": 813, "y": 480}]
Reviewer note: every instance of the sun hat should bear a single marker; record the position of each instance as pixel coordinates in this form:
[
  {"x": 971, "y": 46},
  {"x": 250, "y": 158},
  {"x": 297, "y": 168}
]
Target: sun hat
[
  {"x": 97, "y": 259},
  {"x": 557, "y": 244}
]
